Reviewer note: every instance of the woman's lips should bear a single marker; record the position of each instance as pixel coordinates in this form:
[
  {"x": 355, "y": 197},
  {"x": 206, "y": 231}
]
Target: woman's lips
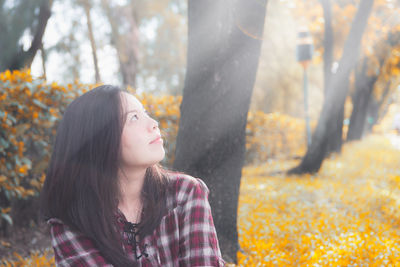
[{"x": 157, "y": 140}]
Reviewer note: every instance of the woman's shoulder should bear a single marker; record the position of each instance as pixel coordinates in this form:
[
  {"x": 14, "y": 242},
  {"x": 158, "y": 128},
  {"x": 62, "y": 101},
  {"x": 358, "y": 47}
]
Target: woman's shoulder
[
  {"x": 186, "y": 186},
  {"x": 186, "y": 182},
  {"x": 61, "y": 231},
  {"x": 52, "y": 221},
  {"x": 59, "y": 227}
]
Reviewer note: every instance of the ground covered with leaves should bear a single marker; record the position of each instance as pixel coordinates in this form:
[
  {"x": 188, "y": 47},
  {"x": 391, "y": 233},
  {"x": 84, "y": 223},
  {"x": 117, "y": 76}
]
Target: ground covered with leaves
[{"x": 346, "y": 215}]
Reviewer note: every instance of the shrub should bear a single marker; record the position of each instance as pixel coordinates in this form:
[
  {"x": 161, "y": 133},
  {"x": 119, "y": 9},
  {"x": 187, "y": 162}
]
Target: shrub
[
  {"x": 273, "y": 135},
  {"x": 34, "y": 259},
  {"x": 29, "y": 112}
]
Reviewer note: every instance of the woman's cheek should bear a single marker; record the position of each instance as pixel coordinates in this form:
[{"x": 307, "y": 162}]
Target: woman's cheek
[
  {"x": 132, "y": 142},
  {"x": 129, "y": 152}
]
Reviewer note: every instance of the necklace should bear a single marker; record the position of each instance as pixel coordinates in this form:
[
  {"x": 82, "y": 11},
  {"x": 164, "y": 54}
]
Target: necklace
[
  {"x": 138, "y": 214},
  {"x": 132, "y": 214}
]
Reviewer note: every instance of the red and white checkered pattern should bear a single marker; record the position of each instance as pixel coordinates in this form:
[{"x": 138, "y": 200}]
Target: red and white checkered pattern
[{"x": 186, "y": 235}]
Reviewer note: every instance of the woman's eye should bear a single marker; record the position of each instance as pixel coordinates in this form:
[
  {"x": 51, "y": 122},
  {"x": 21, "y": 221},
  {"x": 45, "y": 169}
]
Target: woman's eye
[{"x": 135, "y": 116}]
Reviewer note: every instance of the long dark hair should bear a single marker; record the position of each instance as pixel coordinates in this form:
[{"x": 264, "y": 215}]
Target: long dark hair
[{"x": 81, "y": 186}]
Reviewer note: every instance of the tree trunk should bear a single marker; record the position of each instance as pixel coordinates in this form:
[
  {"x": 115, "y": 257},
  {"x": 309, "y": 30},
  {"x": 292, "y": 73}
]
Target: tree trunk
[
  {"x": 129, "y": 51},
  {"x": 126, "y": 43},
  {"x": 43, "y": 56},
  {"x": 359, "y": 113},
  {"x": 87, "y": 6},
  {"x": 377, "y": 109},
  {"x": 364, "y": 86},
  {"x": 223, "y": 53},
  {"x": 328, "y": 43},
  {"x": 335, "y": 138},
  {"x": 325, "y": 137},
  {"x": 25, "y": 58},
  {"x": 334, "y": 141},
  {"x": 364, "y": 104}
]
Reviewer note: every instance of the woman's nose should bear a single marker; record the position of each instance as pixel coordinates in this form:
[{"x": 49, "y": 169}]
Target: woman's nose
[
  {"x": 153, "y": 124},
  {"x": 156, "y": 125}
]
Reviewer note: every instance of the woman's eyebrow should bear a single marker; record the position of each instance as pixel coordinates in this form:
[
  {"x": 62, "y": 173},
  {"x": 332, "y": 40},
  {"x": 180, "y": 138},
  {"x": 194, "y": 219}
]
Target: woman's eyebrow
[{"x": 134, "y": 110}]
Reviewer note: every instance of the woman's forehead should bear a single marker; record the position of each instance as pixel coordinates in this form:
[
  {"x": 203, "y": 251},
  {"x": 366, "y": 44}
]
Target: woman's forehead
[{"x": 131, "y": 102}]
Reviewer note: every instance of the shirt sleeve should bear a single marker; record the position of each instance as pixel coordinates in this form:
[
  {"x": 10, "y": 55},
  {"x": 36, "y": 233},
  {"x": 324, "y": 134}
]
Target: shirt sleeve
[
  {"x": 72, "y": 248},
  {"x": 198, "y": 242}
]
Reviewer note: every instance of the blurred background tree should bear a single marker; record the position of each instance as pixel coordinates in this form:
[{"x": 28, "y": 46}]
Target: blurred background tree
[
  {"x": 22, "y": 19},
  {"x": 382, "y": 66},
  {"x": 327, "y": 136},
  {"x": 384, "y": 20},
  {"x": 87, "y": 6},
  {"x": 125, "y": 37},
  {"x": 137, "y": 43}
]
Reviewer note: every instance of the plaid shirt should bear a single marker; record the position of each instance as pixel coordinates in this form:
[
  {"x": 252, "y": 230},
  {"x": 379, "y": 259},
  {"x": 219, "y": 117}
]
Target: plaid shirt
[{"x": 186, "y": 235}]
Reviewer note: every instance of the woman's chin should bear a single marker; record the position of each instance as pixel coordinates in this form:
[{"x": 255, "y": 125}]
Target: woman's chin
[{"x": 160, "y": 157}]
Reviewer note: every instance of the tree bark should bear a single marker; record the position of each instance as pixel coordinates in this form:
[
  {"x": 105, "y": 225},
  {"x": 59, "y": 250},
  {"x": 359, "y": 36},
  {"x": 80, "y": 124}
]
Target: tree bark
[
  {"x": 377, "y": 109},
  {"x": 328, "y": 133},
  {"x": 87, "y": 6},
  {"x": 364, "y": 103},
  {"x": 335, "y": 139},
  {"x": 223, "y": 53},
  {"x": 25, "y": 58},
  {"x": 328, "y": 43},
  {"x": 126, "y": 43},
  {"x": 364, "y": 86},
  {"x": 43, "y": 56}
]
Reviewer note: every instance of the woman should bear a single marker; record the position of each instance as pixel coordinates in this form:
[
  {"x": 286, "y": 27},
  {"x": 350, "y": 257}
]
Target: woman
[{"x": 108, "y": 201}]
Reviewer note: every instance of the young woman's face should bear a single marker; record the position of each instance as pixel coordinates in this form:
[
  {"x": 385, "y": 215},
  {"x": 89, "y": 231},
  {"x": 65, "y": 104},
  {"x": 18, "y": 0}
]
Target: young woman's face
[{"x": 139, "y": 132}]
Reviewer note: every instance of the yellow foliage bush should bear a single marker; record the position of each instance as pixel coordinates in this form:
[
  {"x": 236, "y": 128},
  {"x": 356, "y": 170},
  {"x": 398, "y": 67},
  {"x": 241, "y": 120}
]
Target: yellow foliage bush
[
  {"x": 29, "y": 112},
  {"x": 273, "y": 135},
  {"x": 36, "y": 259}
]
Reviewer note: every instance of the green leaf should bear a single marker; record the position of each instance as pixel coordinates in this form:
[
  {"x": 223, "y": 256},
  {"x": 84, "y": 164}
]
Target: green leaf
[
  {"x": 3, "y": 143},
  {"x": 40, "y": 144},
  {"x": 7, "y": 218},
  {"x": 8, "y": 165},
  {"x": 8, "y": 195},
  {"x": 39, "y": 104},
  {"x": 40, "y": 166},
  {"x": 21, "y": 128},
  {"x": 26, "y": 161},
  {"x": 11, "y": 118},
  {"x": 17, "y": 161}
]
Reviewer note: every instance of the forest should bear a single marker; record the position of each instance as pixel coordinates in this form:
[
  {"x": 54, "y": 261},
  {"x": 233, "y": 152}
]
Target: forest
[{"x": 288, "y": 110}]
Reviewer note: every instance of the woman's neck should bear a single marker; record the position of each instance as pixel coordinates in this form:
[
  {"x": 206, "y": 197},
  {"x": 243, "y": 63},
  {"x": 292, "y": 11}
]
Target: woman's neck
[{"x": 131, "y": 183}]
